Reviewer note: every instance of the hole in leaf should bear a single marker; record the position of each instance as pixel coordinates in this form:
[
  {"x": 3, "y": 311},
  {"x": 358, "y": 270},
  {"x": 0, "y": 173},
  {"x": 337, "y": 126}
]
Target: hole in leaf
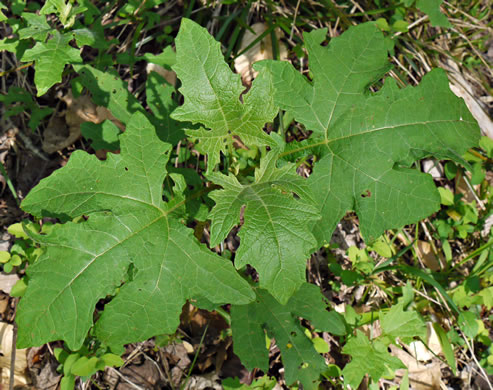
[
  {"x": 126, "y": 169},
  {"x": 366, "y": 194}
]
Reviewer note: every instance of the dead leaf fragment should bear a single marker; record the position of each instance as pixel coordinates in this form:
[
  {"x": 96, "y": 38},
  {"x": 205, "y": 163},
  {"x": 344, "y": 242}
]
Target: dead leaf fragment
[
  {"x": 7, "y": 281},
  {"x": 168, "y": 75},
  {"x": 461, "y": 88},
  {"x": 464, "y": 189},
  {"x": 262, "y": 50},
  {"x": 204, "y": 382},
  {"x": 21, "y": 377},
  {"x": 431, "y": 260},
  {"x": 177, "y": 355},
  {"x": 421, "y": 376},
  {"x": 64, "y": 130},
  {"x": 424, "y": 353}
]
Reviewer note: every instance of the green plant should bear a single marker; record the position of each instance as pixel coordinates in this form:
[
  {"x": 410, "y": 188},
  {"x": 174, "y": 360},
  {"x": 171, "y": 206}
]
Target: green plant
[
  {"x": 24, "y": 250},
  {"x": 83, "y": 363},
  {"x": 51, "y": 51},
  {"x": 124, "y": 231}
]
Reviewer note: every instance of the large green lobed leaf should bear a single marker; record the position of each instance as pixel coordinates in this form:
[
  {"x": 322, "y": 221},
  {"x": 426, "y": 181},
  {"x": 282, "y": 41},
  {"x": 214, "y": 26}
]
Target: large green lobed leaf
[
  {"x": 300, "y": 359},
  {"x": 369, "y": 140},
  {"x": 367, "y": 358},
  {"x": 50, "y": 59},
  {"x": 131, "y": 246},
  {"x": 110, "y": 91},
  {"x": 275, "y": 237},
  {"x": 212, "y": 95}
]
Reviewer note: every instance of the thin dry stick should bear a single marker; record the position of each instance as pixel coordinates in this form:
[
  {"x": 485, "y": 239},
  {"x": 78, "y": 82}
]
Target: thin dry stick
[
  {"x": 12, "y": 358},
  {"x": 471, "y": 188},
  {"x": 463, "y": 13},
  {"x": 426, "y": 296},
  {"x": 294, "y": 20},
  {"x": 481, "y": 369},
  {"x": 13, "y": 350},
  {"x": 405, "y": 70},
  {"x": 125, "y": 379},
  {"x": 413, "y": 24},
  {"x": 161, "y": 374},
  {"x": 462, "y": 35}
]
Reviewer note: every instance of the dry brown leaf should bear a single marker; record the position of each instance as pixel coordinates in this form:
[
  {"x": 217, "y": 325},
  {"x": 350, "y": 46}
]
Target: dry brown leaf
[
  {"x": 463, "y": 188},
  {"x": 421, "y": 376},
  {"x": 434, "y": 168},
  {"x": 424, "y": 353},
  {"x": 168, "y": 75},
  {"x": 177, "y": 355},
  {"x": 7, "y": 281},
  {"x": 21, "y": 377},
  {"x": 204, "y": 382},
  {"x": 461, "y": 88},
  {"x": 431, "y": 260},
  {"x": 63, "y": 132},
  {"x": 260, "y": 51}
]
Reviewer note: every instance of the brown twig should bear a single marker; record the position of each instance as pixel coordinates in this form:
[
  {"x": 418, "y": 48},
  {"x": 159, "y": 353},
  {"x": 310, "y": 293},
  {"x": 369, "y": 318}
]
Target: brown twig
[{"x": 13, "y": 350}]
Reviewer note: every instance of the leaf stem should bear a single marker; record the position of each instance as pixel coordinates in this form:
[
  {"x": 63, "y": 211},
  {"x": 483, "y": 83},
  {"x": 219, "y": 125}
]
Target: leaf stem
[
  {"x": 3, "y": 171},
  {"x": 6, "y": 72},
  {"x": 196, "y": 356}
]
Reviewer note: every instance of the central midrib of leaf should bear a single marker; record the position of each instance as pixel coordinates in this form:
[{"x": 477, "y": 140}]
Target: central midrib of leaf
[
  {"x": 208, "y": 78},
  {"x": 327, "y": 142},
  {"x": 96, "y": 256},
  {"x": 251, "y": 189},
  {"x": 94, "y": 193},
  {"x": 164, "y": 214}
]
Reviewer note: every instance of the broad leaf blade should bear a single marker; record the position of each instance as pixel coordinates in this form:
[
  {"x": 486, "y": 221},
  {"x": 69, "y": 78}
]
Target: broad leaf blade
[
  {"x": 402, "y": 324},
  {"x": 299, "y": 357},
  {"x": 102, "y": 135},
  {"x": 160, "y": 101},
  {"x": 37, "y": 28},
  {"x": 275, "y": 237},
  {"x": 370, "y": 140},
  {"x": 109, "y": 91},
  {"x": 128, "y": 223},
  {"x": 341, "y": 73},
  {"x": 50, "y": 59},
  {"x": 212, "y": 95},
  {"x": 367, "y": 358},
  {"x": 432, "y": 9}
]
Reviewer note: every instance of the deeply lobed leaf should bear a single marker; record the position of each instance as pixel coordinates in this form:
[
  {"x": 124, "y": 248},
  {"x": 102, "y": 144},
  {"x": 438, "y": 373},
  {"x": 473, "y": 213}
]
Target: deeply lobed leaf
[
  {"x": 370, "y": 140},
  {"x": 275, "y": 236},
  {"x": 367, "y": 357},
  {"x": 131, "y": 246},
  {"x": 300, "y": 359},
  {"x": 212, "y": 95},
  {"x": 50, "y": 59}
]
